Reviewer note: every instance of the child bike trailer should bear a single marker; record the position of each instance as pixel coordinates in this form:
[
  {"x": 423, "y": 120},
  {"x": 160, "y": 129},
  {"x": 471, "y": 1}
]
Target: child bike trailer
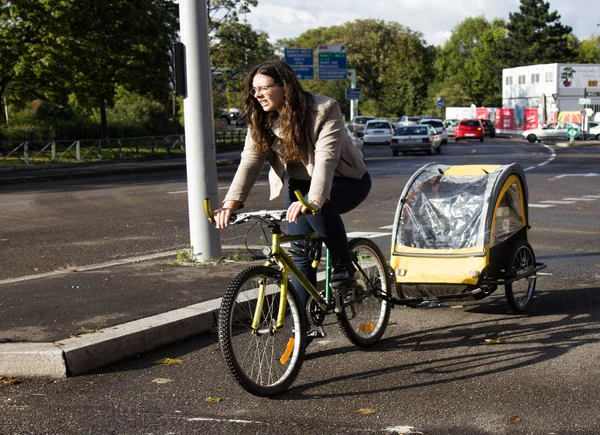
[{"x": 462, "y": 231}]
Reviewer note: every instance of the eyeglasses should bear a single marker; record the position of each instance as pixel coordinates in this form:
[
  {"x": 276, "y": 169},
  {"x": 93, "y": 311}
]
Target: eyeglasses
[{"x": 262, "y": 89}]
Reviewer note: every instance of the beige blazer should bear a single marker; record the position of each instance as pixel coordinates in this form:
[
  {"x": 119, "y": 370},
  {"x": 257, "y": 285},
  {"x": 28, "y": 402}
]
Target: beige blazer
[{"x": 330, "y": 154}]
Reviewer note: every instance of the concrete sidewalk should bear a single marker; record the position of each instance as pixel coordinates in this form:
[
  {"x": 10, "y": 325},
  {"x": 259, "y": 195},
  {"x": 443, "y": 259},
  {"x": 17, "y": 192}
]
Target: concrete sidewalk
[{"x": 67, "y": 323}]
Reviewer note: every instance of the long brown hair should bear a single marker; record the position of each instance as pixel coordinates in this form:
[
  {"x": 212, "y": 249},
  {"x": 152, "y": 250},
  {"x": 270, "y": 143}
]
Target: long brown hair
[{"x": 293, "y": 117}]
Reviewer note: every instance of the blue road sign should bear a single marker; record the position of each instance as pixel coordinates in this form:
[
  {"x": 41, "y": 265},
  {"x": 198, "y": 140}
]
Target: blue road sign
[
  {"x": 353, "y": 93},
  {"x": 301, "y": 60},
  {"x": 440, "y": 103},
  {"x": 332, "y": 62}
]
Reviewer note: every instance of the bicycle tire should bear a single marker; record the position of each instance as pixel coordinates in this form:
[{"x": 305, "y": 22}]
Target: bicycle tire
[
  {"x": 264, "y": 363},
  {"x": 365, "y": 321},
  {"x": 519, "y": 293}
]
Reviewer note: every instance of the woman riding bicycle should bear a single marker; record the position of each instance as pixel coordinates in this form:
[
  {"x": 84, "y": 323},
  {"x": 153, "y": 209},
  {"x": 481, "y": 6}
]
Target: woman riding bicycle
[{"x": 302, "y": 134}]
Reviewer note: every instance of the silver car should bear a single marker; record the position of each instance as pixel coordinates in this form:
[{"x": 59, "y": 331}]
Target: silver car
[
  {"x": 556, "y": 130},
  {"x": 358, "y": 143},
  {"x": 420, "y": 137}
]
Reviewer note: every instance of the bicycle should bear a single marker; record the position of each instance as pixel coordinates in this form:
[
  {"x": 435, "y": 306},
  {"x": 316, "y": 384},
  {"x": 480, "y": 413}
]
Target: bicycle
[{"x": 262, "y": 328}]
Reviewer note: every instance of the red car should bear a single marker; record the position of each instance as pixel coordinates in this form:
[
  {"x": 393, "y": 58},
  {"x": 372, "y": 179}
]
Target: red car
[{"x": 469, "y": 129}]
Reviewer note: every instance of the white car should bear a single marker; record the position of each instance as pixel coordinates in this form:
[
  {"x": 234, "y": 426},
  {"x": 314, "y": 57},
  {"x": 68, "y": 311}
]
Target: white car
[
  {"x": 595, "y": 130},
  {"x": 406, "y": 120},
  {"x": 450, "y": 125},
  {"x": 358, "y": 143},
  {"x": 556, "y": 130},
  {"x": 420, "y": 137},
  {"x": 438, "y": 124},
  {"x": 378, "y": 131}
]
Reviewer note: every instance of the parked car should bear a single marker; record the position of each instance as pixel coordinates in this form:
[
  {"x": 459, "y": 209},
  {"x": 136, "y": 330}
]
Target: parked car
[
  {"x": 552, "y": 131},
  {"x": 420, "y": 137},
  {"x": 378, "y": 131},
  {"x": 358, "y": 143},
  {"x": 595, "y": 130},
  {"x": 406, "y": 120},
  {"x": 469, "y": 129},
  {"x": 358, "y": 125},
  {"x": 450, "y": 125},
  {"x": 438, "y": 124},
  {"x": 488, "y": 127}
]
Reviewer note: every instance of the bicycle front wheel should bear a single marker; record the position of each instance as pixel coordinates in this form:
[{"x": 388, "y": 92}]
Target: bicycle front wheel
[
  {"x": 263, "y": 361},
  {"x": 365, "y": 320}
]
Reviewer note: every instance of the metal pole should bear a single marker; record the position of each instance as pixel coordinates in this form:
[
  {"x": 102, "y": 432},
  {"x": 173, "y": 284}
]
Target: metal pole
[
  {"x": 353, "y": 103},
  {"x": 199, "y": 128}
]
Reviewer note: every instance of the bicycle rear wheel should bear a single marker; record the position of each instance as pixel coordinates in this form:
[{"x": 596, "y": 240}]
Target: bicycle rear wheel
[
  {"x": 266, "y": 361},
  {"x": 365, "y": 321}
]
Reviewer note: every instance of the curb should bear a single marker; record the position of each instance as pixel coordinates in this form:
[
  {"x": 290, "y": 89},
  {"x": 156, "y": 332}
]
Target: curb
[{"x": 80, "y": 354}]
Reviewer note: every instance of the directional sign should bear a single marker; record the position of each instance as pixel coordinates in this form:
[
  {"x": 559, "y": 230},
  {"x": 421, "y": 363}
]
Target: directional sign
[
  {"x": 440, "y": 103},
  {"x": 571, "y": 131},
  {"x": 332, "y": 62},
  {"x": 353, "y": 93},
  {"x": 302, "y": 62}
]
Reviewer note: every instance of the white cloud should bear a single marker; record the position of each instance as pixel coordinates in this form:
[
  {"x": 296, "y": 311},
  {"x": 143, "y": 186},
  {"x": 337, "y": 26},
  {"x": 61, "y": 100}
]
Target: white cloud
[{"x": 435, "y": 19}]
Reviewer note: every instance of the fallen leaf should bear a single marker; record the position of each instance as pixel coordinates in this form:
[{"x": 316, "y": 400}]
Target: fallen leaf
[
  {"x": 169, "y": 361},
  {"x": 392, "y": 322},
  {"x": 457, "y": 306},
  {"x": 493, "y": 340},
  {"x": 514, "y": 419},
  {"x": 366, "y": 411},
  {"x": 213, "y": 399},
  {"x": 9, "y": 381},
  {"x": 162, "y": 380}
]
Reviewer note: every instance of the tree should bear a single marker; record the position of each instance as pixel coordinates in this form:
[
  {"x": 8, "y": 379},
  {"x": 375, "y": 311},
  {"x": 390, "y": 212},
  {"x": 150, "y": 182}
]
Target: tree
[
  {"x": 393, "y": 65},
  {"x": 589, "y": 50},
  {"x": 234, "y": 48},
  {"x": 468, "y": 68},
  {"x": 85, "y": 48},
  {"x": 536, "y": 36}
]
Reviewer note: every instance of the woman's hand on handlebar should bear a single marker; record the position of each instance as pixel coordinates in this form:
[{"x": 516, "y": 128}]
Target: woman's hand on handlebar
[
  {"x": 223, "y": 214},
  {"x": 297, "y": 209}
]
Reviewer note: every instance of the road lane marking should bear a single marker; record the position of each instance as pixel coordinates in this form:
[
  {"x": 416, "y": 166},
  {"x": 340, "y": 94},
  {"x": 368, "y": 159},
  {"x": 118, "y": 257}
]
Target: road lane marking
[
  {"x": 219, "y": 188},
  {"x": 578, "y": 199},
  {"x": 557, "y": 202},
  {"x": 540, "y": 205}
]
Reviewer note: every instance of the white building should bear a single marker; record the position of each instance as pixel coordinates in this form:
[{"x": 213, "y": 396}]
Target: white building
[{"x": 552, "y": 88}]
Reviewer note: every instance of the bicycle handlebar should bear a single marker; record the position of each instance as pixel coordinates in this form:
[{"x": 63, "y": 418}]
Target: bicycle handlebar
[{"x": 272, "y": 214}]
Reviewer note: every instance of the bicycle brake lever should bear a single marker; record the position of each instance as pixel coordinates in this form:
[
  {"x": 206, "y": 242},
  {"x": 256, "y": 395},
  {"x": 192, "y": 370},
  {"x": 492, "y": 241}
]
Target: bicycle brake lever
[
  {"x": 313, "y": 209},
  {"x": 208, "y": 211}
]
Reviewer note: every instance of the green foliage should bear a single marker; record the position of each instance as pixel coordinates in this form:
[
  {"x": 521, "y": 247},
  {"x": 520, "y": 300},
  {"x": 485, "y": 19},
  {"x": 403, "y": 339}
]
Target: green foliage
[
  {"x": 393, "y": 65},
  {"x": 536, "y": 36},
  {"x": 589, "y": 50}
]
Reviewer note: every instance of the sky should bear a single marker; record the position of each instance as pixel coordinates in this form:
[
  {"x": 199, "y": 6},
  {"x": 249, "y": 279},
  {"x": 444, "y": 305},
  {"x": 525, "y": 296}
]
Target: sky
[{"x": 435, "y": 19}]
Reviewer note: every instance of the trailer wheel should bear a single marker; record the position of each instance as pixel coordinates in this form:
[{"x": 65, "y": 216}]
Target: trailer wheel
[{"x": 519, "y": 291}]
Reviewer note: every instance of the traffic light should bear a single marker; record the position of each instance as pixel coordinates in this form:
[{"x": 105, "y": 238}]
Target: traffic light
[{"x": 177, "y": 68}]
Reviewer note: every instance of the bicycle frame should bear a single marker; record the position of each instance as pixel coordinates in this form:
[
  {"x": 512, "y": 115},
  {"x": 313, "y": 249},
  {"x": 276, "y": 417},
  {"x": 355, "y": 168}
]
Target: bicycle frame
[{"x": 278, "y": 256}]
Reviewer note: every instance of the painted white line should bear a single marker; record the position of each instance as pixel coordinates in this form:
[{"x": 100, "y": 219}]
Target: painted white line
[
  {"x": 591, "y": 174},
  {"x": 540, "y": 205},
  {"x": 225, "y": 420},
  {"x": 591, "y": 196},
  {"x": 557, "y": 202},
  {"x": 387, "y": 227},
  {"x": 367, "y": 235},
  {"x": 219, "y": 188},
  {"x": 578, "y": 199}
]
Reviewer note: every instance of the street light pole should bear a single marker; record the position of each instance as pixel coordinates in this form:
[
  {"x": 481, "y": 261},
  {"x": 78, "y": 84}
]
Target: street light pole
[{"x": 199, "y": 128}]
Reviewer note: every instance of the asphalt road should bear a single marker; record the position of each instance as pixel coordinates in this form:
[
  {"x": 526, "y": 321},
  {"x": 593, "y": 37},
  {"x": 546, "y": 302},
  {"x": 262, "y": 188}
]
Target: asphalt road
[{"x": 433, "y": 372}]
